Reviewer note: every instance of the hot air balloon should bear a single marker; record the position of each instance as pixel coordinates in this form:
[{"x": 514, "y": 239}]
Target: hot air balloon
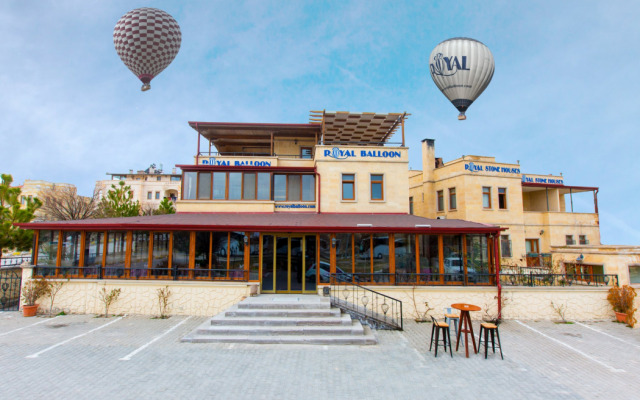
[
  {"x": 462, "y": 69},
  {"x": 147, "y": 40}
]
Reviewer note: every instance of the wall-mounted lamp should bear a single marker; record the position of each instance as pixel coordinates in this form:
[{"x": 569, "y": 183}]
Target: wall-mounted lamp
[
  {"x": 580, "y": 258},
  {"x": 295, "y": 141},
  {"x": 333, "y": 242},
  {"x": 246, "y": 240},
  {"x": 541, "y": 232}
]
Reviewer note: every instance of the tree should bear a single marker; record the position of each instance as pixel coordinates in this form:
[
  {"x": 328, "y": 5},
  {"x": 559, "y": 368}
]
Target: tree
[
  {"x": 64, "y": 203},
  {"x": 119, "y": 202},
  {"x": 165, "y": 207},
  {"x": 11, "y": 236}
]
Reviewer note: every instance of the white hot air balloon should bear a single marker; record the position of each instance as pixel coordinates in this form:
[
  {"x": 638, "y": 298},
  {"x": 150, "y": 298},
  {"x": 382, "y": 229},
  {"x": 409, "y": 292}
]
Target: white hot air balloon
[{"x": 462, "y": 69}]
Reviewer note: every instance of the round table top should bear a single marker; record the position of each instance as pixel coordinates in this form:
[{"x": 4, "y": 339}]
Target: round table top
[{"x": 465, "y": 307}]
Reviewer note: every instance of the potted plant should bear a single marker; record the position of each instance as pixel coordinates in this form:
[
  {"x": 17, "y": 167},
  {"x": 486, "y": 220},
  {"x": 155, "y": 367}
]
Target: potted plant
[
  {"x": 31, "y": 292},
  {"x": 621, "y": 299}
]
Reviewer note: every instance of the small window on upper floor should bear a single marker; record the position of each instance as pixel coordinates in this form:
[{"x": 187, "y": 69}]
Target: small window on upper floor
[
  {"x": 377, "y": 187},
  {"x": 149, "y": 194},
  {"x": 505, "y": 246},
  {"x": 306, "y": 152},
  {"x": 348, "y": 187},
  {"x": 583, "y": 239},
  {"x": 634, "y": 273},
  {"x": 159, "y": 178},
  {"x": 157, "y": 195},
  {"x": 486, "y": 197},
  {"x": 502, "y": 198},
  {"x": 411, "y": 205},
  {"x": 453, "y": 204},
  {"x": 569, "y": 240},
  {"x": 175, "y": 179},
  {"x": 440, "y": 194}
]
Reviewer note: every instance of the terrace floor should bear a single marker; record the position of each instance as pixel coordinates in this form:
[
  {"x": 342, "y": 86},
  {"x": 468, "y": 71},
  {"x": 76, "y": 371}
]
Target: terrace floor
[{"x": 132, "y": 357}]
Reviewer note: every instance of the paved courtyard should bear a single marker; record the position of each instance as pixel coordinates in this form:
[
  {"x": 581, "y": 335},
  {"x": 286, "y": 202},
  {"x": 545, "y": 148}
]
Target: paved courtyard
[{"x": 135, "y": 357}]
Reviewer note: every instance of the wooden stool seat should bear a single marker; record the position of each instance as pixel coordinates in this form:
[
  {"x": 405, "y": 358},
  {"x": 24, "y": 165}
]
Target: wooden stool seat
[
  {"x": 452, "y": 316},
  {"x": 442, "y": 324},
  {"x": 488, "y": 325},
  {"x": 446, "y": 336}
]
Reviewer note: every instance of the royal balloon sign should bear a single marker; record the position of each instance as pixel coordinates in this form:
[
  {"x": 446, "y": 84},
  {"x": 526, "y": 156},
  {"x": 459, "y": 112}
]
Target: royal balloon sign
[{"x": 447, "y": 66}]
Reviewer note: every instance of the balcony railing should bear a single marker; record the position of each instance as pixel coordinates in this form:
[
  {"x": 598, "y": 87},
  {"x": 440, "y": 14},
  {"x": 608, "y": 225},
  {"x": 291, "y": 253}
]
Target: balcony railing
[
  {"x": 532, "y": 279},
  {"x": 141, "y": 273}
]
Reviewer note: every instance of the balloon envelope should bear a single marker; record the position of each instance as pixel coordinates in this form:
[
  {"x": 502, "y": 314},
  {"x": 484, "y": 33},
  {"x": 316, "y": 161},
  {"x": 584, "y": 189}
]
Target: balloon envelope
[
  {"x": 462, "y": 69},
  {"x": 147, "y": 40}
]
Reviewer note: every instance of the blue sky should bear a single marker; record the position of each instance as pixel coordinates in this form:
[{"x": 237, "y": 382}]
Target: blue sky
[{"x": 563, "y": 97}]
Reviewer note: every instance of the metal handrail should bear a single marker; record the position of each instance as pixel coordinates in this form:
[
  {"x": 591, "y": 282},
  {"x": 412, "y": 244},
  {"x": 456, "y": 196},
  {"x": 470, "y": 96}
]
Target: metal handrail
[{"x": 374, "y": 308}]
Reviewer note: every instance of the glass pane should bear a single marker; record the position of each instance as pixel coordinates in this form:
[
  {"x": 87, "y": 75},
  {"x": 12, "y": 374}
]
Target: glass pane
[
  {"x": 219, "y": 185},
  {"x": 405, "y": 254},
  {"x": 267, "y": 262},
  {"x": 380, "y": 254},
  {"x": 235, "y": 185},
  {"x": 279, "y": 187},
  {"x": 254, "y": 256},
  {"x": 116, "y": 252},
  {"x": 297, "y": 270},
  {"x": 347, "y": 191},
  {"x": 204, "y": 186},
  {"x": 452, "y": 254},
  {"x": 282, "y": 264},
  {"x": 309, "y": 263},
  {"x": 429, "y": 259},
  {"x": 180, "y": 253},
  {"x": 70, "y": 253},
  {"x": 264, "y": 186},
  {"x": 249, "y": 190},
  {"x": 93, "y": 242},
  {"x": 325, "y": 259},
  {"x": 362, "y": 242},
  {"x": 477, "y": 259},
  {"x": 201, "y": 262},
  {"x": 48, "y": 251},
  {"x": 634, "y": 274},
  {"x": 160, "y": 260},
  {"x": 236, "y": 256},
  {"x": 344, "y": 257},
  {"x": 308, "y": 188},
  {"x": 294, "y": 188},
  {"x": 190, "y": 185},
  {"x": 139, "y": 254},
  {"x": 219, "y": 250}
]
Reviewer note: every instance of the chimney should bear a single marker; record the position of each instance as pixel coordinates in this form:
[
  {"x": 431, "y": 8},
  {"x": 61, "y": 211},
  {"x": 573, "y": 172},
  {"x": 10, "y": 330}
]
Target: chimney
[
  {"x": 173, "y": 171},
  {"x": 428, "y": 159}
]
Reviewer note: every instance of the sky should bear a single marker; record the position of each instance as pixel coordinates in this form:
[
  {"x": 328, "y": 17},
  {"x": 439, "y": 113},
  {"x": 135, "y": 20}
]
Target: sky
[{"x": 562, "y": 100}]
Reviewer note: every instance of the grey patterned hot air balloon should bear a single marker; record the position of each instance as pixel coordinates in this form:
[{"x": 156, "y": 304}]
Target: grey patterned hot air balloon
[
  {"x": 462, "y": 69},
  {"x": 147, "y": 40}
]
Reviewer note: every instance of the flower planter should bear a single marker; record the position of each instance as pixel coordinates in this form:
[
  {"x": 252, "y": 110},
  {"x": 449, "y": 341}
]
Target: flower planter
[
  {"x": 29, "y": 311},
  {"x": 621, "y": 317}
]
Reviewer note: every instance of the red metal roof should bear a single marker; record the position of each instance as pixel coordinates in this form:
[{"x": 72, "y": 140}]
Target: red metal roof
[{"x": 274, "y": 222}]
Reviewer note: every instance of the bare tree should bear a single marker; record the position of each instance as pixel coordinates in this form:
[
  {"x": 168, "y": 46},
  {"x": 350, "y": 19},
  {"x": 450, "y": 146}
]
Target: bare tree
[{"x": 63, "y": 203}]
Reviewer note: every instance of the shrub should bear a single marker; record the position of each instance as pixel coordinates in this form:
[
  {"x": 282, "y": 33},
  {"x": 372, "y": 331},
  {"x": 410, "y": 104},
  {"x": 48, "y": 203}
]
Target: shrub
[
  {"x": 33, "y": 290},
  {"x": 621, "y": 299}
]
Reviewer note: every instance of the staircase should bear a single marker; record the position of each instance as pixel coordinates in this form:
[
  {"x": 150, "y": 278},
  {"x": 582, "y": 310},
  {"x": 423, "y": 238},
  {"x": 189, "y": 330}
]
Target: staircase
[{"x": 286, "y": 319}]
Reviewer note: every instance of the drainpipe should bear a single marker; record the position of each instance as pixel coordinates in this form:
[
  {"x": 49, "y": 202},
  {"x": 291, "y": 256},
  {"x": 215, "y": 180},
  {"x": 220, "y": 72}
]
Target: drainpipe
[
  {"x": 315, "y": 171},
  {"x": 497, "y": 262}
]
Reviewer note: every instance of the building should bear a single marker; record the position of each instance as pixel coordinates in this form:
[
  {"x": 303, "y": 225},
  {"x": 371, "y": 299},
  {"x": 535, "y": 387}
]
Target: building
[
  {"x": 537, "y": 210},
  {"x": 281, "y": 207},
  {"x": 148, "y": 186},
  {"x": 31, "y": 189}
]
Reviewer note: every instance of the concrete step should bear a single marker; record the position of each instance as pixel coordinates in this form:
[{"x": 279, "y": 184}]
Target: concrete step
[
  {"x": 221, "y": 319},
  {"x": 355, "y": 328},
  {"x": 285, "y": 302},
  {"x": 368, "y": 338},
  {"x": 282, "y": 312}
]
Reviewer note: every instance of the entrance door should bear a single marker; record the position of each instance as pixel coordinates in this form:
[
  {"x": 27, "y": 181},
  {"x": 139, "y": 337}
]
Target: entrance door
[{"x": 292, "y": 270}]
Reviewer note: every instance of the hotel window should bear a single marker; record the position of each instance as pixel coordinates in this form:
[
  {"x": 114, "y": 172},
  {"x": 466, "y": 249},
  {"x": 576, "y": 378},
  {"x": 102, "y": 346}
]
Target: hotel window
[
  {"x": 452, "y": 199},
  {"x": 159, "y": 178},
  {"x": 377, "y": 187},
  {"x": 505, "y": 246},
  {"x": 149, "y": 195},
  {"x": 158, "y": 193},
  {"x": 190, "y": 185},
  {"x": 293, "y": 188},
  {"x": 306, "y": 152},
  {"x": 583, "y": 239},
  {"x": 219, "y": 185},
  {"x": 175, "y": 179},
  {"x": 204, "y": 186},
  {"x": 264, "y": 186},
  {"x": 502, "y": 198},
  {"x": 569, "y": 240},
  {"x": 440, "y": 200},
  {"x": 279, "y": 187},
  {"x": 411, "y": 205},
  {"x": 348, "y": 186},
  {"x": 486, "y": 197},
  {"x": 532, "y": 246},
  {"x": 634, "y": 274},
  {"x": 308, "y": 188},
  {"x": 235, "y": 185},
  {"x": 249, "y": 186}
]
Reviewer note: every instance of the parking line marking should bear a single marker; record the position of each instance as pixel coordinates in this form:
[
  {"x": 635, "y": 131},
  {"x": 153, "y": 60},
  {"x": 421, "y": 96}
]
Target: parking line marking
[
  {"x": 73, "y": 338},
  {"x": 144, "y": 346},
  {"x": 610, "y": 368},
  {"x": 606, "y": 334},
  {"x": 25, "y": 327}
]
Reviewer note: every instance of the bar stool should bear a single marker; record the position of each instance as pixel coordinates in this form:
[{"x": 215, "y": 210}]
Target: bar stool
[
  {"x": 489, "y": 327},
  {"x": 450, "y": 316},
  {"x": 436, "y": 328}
]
